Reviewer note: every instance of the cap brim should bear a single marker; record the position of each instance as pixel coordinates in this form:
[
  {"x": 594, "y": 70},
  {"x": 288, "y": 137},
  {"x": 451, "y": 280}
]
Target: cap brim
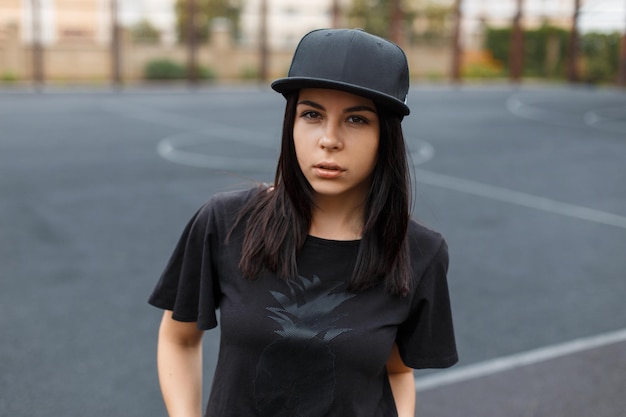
[{"x": 290, "y": 84}]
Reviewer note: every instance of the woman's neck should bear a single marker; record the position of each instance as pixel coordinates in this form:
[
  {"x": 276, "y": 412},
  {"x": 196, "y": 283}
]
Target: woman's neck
[{"x": 336, "y": 220}]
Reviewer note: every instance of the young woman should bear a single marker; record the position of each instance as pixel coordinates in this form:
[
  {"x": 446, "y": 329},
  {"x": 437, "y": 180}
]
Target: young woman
[{"x": 329, "y": 294}]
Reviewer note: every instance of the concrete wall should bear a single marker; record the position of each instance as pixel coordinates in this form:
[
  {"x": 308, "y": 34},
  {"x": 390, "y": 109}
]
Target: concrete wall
[{"x": 88, "y": 62}]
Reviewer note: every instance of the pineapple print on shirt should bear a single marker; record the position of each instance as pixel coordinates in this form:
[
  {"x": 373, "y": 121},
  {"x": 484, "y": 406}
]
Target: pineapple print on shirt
[{"x": 296, "y": 373}]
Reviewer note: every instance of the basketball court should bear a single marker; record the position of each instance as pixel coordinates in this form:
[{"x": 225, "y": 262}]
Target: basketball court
[{"x": 527, "y": 184}]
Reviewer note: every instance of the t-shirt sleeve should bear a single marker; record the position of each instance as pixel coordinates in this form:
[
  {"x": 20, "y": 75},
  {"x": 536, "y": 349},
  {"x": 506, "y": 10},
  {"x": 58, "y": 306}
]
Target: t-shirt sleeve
[
  {"x": 426, "y": 338},
  {"x": 189, "y": 286}
]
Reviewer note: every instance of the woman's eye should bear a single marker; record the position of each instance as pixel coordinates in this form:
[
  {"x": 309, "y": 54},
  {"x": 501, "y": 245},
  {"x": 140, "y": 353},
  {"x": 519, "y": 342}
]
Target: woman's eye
[
  {"x": 310, "y": 114},
  {"x": 357, "y": 120}
]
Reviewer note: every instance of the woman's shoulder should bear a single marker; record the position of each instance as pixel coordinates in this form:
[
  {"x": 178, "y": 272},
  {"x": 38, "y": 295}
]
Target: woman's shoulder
[
  {"x": 428, "y": 252},
  {"x": 229, "y": 203},
  {"x": 236, "y": 199},
  {"x": 424, "y": 241}
]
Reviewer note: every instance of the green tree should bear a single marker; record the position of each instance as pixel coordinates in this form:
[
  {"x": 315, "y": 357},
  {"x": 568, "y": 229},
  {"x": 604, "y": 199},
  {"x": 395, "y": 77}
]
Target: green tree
[
  {"x": 206, "y": 11},
  {"x": 145, "y": 32},
  {"x": 437, "y": 18},
  {"x": 545, "y": 50},
  {"x": 538, "y": 54},
  {"x": 599, "y": 52},
  {"x": 374, "y": 16},
  {"x": 371, "y": 15},
  {"x": 601, "y": 56}
]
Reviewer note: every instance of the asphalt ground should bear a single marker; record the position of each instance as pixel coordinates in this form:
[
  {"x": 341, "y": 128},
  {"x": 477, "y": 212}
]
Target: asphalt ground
[{"x": 527, "y": 184}]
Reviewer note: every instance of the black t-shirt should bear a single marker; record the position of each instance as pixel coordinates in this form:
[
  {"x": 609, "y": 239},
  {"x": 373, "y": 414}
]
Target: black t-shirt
[{"x": 305, "y": 347}]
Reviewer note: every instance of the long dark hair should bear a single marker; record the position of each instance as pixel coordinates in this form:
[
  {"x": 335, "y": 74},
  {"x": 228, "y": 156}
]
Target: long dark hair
[{"x": 278, "y": 222}]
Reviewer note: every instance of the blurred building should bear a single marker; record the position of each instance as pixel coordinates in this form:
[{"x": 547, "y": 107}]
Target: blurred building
[
  {"x": 10, "y": 17},
  {"x": 60, "y": 21},
  {"x": 89, "y": 21},
  {"x": 535, "y": 12},
  {"x": 76, "y": 34}
]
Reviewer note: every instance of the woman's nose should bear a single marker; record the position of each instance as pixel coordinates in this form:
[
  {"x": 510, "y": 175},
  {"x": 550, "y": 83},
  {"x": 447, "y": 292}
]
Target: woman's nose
[{"x": 330, "y": 139}]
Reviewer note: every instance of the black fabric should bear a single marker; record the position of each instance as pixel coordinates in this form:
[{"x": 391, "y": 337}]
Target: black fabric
[
  {"x": 351, "y": 60},
  {"x": 306, "y": 347}
]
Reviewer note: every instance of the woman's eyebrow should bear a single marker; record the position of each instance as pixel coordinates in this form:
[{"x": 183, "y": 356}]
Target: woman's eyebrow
[
  {"x": 312, "y": 104},
  {"x": 346, "y": 110},
  {"x": 359, "y": 108}
]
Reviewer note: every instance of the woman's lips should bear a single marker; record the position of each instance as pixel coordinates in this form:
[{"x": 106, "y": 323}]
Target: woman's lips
[{"x": 328, "y": 170}]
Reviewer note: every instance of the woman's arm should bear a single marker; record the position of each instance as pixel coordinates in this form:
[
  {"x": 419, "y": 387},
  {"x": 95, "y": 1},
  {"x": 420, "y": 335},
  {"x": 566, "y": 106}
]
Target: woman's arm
[
  {"x": 179, "y": 362},
  {"x": 402, "y": 384}
]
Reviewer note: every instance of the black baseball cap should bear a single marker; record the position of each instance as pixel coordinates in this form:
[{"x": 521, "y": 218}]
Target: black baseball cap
[{"x": 351, "y": 60}]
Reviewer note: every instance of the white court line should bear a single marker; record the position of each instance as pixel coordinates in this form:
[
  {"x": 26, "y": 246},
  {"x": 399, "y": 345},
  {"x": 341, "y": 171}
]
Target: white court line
[
  {"x": 199, "y": 132},
  {"x": 507, "y": 363},
  {"x": 591, "y": 118},
  {"x": 170, "y": 148},
  {"x": 520, "y": 109},
  {"x": 519, "y": 198}
]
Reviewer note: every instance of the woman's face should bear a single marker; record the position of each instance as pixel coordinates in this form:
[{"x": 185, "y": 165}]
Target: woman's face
[{"x": 336, "y": 136}]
